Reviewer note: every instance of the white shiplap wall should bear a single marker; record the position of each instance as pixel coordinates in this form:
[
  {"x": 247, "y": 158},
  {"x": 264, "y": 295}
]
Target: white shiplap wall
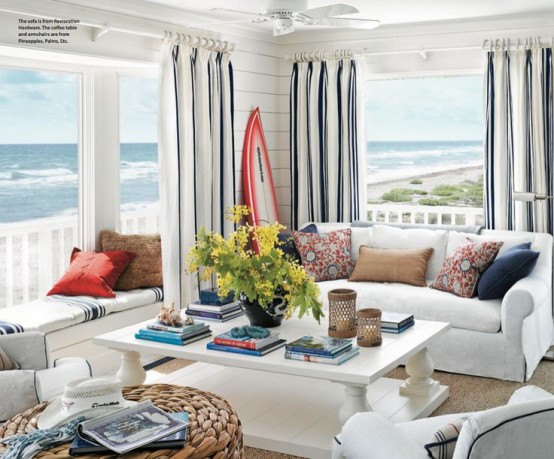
[{"x": 262, "y": 79}]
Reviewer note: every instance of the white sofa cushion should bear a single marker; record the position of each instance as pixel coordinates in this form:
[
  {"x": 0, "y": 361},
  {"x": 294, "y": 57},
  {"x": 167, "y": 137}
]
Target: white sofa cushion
[
  {"x": 424, "y": 303},
  {"x": 456, "y": 239},
  {"x": 389, "y": 237}
]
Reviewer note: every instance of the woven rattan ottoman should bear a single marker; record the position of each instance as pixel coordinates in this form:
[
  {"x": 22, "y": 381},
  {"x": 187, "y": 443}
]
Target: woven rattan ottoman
[{"x": 214, "y": 430}]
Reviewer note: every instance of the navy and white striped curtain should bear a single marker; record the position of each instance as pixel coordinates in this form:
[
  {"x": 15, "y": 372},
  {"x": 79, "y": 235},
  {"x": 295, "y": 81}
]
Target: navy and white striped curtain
[
  {"x": 519, "y": 146},
  {"x": 196, "y": 156},
  {"x": 326, "y": 155}
]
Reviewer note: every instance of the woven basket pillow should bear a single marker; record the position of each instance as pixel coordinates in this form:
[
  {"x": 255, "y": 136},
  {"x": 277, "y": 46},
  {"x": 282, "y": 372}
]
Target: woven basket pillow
[{"x": 146, "y": 268}]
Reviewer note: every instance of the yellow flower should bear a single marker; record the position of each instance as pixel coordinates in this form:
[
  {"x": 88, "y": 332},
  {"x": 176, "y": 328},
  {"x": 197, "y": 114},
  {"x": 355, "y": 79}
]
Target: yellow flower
[{"x": 261, "y": 275}]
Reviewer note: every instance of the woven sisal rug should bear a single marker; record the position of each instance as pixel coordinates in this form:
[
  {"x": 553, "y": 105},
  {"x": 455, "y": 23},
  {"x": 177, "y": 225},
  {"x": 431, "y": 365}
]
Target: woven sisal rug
[{"x": 467, "y": 393}]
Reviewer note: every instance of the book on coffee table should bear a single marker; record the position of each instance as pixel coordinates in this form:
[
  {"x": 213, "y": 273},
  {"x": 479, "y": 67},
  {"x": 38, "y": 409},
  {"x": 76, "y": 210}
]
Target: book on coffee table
[
  {"x": 336, "y": 360},
  {"x": 395, "y": 319},
  {"x": 246, "y": 342},
  {"x": 238, "y": 350},
  {"x": 176, "y": 440},
  {"x": 319, "y": 345}
]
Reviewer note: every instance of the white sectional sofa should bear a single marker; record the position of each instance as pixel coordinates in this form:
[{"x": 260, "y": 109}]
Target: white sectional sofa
[{"x": 504, "y": 338}]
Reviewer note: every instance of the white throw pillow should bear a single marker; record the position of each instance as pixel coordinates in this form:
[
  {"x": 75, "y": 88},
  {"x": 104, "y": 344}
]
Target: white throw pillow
[
  {"x": 389, "y": 237},
  {"x": 456, "y": 239}
]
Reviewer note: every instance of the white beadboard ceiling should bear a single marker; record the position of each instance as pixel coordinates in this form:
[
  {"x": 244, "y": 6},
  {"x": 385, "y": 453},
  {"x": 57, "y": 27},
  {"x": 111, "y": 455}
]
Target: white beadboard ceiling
[
  {"x": 395, "y": 13},
  {"x": 386, "y": 11}
]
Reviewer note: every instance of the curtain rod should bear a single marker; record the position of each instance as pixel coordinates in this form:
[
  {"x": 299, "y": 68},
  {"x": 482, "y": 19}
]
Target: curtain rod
[
  {"x": 504, "y": 44},
  {"x": 197, "y": 41},
  {"x": 347, "y": 53}
]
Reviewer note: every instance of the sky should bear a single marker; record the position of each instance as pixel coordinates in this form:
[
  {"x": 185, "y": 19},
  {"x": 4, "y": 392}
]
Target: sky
[
  {"x": 431, "y": 108},
  {"x": 42, "y": 107}
]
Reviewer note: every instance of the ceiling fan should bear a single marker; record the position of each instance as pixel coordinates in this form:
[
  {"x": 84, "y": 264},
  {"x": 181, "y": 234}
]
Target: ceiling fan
[{"x": 285, "y": 13}]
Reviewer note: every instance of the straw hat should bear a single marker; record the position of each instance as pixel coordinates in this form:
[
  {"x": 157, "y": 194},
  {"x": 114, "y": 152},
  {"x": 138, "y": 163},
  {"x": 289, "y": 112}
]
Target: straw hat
[{"x": 89, "y": 397}]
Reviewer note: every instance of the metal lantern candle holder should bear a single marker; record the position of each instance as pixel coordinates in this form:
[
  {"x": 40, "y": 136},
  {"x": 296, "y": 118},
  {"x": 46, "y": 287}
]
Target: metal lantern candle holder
[
  {"x": 342, "y": 313},
  {"x": 369, "y": 327}
]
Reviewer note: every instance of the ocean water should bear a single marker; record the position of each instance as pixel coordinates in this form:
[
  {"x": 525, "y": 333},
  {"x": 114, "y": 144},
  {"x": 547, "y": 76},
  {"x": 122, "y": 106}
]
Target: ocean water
[
  {"x": 41, "y": 180},
  {"x": 394, "y": 160}
]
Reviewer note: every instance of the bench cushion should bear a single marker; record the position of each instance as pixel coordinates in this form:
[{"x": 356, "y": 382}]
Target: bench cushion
[{"x": 56, "y": 312}]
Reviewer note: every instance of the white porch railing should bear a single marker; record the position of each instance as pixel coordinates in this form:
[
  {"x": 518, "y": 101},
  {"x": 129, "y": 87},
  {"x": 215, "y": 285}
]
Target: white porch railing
[
  {"x": 34, "y": 254},
  {"x": 429, "y": 215}
]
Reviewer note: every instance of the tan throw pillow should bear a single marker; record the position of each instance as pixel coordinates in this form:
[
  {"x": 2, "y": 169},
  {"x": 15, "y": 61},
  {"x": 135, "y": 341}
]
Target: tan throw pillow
[
  {"x": 5, "y": 362},
  {"x": 406, "y": 266},
  {"x": 146, "y": 268}
]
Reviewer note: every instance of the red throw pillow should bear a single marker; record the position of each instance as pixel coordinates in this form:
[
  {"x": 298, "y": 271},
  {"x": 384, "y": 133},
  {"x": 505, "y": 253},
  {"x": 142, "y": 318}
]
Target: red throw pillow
[
  {"x": 461, "y": 271},
  {"x": 325, "y": 256},
  {"x": 92, "y": 273}
]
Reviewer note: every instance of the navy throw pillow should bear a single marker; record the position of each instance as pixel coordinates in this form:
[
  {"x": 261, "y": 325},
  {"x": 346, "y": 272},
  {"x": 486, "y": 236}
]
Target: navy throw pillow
[
  {"x": 506, "y": 270},
  {"x": 287, "y": 242}
]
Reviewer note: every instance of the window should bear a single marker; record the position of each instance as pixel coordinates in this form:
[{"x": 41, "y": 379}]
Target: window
[
  {"x": 139, "y": 194},
  {"x": 39, "y": 183},
  {"x": 425, "y": 149}
]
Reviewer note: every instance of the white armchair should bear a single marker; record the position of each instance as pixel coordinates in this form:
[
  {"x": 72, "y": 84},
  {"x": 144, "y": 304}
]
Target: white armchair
[
  {"x": 522, "y": 428},
  {"x": 36, "y": 380}
]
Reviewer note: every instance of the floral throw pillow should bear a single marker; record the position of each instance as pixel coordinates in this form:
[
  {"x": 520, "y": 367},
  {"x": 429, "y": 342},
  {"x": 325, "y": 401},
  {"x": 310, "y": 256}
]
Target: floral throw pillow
[
  {"x": 325, "y": 256},
  {"x": 461, "y": 271}
]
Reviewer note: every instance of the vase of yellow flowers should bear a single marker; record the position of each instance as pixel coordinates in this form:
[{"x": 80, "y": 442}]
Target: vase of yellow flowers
[{"x": 269, "y": 284}]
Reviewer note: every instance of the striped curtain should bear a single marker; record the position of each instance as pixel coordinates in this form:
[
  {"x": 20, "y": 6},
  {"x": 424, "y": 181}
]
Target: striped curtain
[
  {"x": 196, "y": 156},
  {"x": 327, "y": 168},
  {"x": 519, "y": 148}
]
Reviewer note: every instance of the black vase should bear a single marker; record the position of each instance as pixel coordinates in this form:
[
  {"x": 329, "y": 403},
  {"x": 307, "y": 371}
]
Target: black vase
[{"x": 260, "y": 317}]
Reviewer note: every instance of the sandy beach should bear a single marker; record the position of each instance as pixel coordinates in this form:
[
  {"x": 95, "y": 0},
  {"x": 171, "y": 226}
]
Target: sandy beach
[{"x": 429, "y": 182}]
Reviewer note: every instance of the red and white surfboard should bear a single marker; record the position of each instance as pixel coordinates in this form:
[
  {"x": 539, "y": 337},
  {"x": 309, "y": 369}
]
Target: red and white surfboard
[{"x": 259, "y": 191}]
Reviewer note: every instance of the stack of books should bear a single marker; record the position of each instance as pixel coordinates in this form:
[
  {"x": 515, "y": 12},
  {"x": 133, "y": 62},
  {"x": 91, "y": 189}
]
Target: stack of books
[
  {"x": 321, "y": 349},
  {"x": 180, "y": 336},
  {"x": 215, "y": 312},
  {"x": 396, "y": 322},
  {"x": 250, "y": 346}
]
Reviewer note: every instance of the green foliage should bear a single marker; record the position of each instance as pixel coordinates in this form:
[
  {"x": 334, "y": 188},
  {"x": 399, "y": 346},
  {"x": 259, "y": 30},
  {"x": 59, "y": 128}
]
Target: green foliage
[
  {"x": 430, "y": 202},
  {"x": 416, "y": 181},
  {"x": 402, "y": 194}
]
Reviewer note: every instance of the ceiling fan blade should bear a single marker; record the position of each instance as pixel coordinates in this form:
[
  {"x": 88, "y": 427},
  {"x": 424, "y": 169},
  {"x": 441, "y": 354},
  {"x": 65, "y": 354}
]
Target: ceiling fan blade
[
  {"x": 347, "y": 23},
  {"x": 337, "y": 9}
]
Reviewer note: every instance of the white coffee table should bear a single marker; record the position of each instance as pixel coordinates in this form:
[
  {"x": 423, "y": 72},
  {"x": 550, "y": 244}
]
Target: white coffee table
[{"x": 293, "y": 406}]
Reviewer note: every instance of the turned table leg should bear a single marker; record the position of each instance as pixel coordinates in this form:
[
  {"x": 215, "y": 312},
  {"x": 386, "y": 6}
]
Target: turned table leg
[
  {"x": 131, "y": 372},
  {"x": 355, "y": 401},
  {"x": 420, "y": 368}
]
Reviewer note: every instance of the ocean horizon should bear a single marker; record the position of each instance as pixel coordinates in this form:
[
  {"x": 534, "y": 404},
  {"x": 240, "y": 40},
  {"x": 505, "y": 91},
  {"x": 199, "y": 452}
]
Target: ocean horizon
[
  {"x": 41, "y": 180},
  {"x": 393, "y": 160}
]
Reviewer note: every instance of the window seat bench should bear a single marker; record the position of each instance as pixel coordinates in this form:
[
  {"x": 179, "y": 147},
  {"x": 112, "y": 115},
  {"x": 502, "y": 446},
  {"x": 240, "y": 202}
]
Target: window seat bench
[{"x": 70, "y": 322}]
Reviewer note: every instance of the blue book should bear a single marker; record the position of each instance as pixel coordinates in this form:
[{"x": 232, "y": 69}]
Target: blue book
[
  {"x": 176, "y": 440},
  {"x": 336, "y": 360},
  {"x": 185, "y": 329},
  {"x": 319, "y": 345},
  {"x": 224, "y": 319},
  {"x": 171, "y": 335},
  {"x": 239, "y": 350},
  {"x": 213, "y": 315},
  {"x": 397, "y": 330},
  {"x": 179, "y": 342}
]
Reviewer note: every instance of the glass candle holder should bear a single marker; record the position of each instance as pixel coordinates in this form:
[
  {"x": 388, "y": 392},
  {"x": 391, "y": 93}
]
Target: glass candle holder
[
  {"x": 369, "y": 327},
  {"x": 342, "y": 313}
]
